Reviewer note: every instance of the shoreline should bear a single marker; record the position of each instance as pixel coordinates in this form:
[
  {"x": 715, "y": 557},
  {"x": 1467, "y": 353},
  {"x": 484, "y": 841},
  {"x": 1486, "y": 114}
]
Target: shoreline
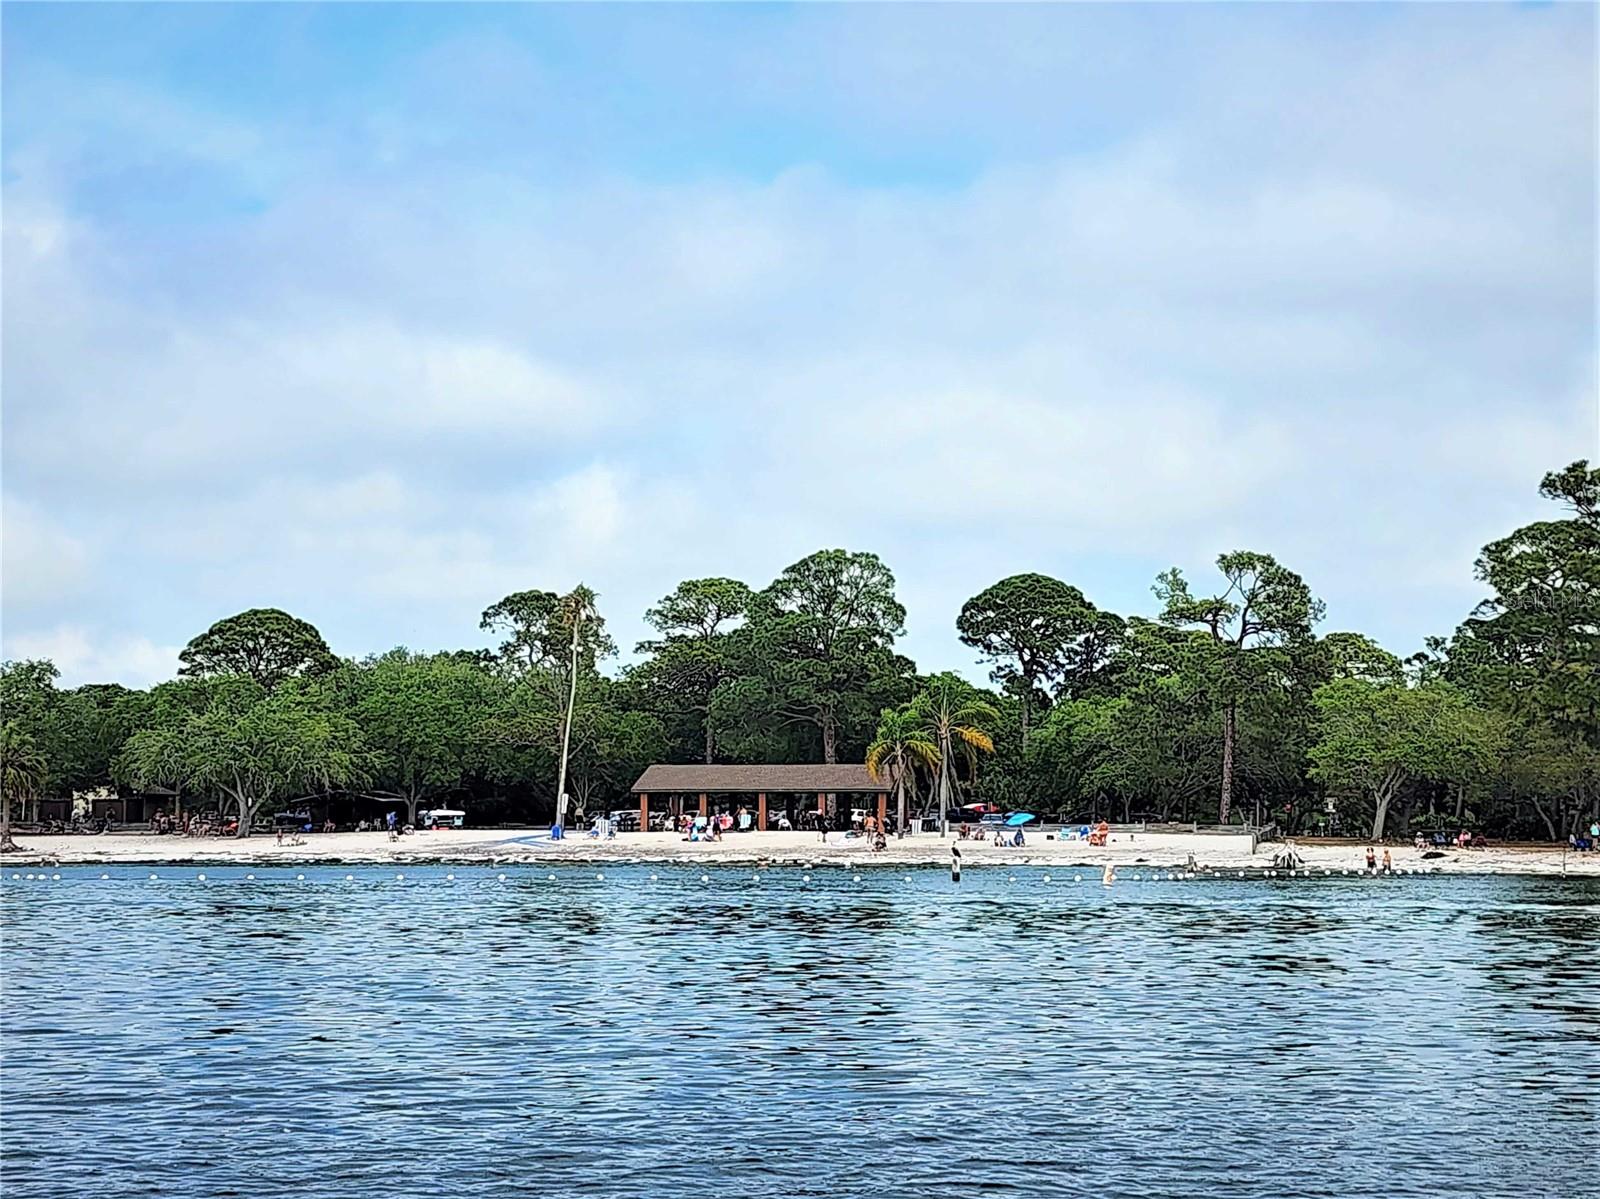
[{"x": 510, "y": 847}]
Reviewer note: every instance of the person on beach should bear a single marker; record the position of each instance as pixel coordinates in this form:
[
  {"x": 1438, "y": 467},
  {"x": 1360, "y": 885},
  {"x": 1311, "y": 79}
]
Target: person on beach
[
  {"x": 1372, "y": 860},
  {"x": 1388, "y": 863}
]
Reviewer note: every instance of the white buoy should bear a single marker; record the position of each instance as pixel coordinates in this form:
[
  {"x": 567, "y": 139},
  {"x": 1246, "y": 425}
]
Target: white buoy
[
  {"x": 399, "y": 878},
  {"x": 599, "y": 878},
  {"x": 299, "y": 878},
  {"x": 103, "y": 877},
  {"x": 1012, "y": 879},
  {"x": 705, "y": 878},
  {"x": 250, "y": 878},
  {"x": 653, "y": 878},
  {"x": 349, "y": 878},
  {"x": 1047, "y": 878},
  {"x": 755, "y": 878},
  {"x": 503, "y": 877},
  {"x": 152, "y": 877},
  {"x": 1077, "y": 878},
  {"x": 1241, "y": 874},
  {"x": 57, "y": 877},
  {"x": 805, "y": 878},
  {"x": 551, "y": 877},
  {"x": 449, "y": 878},
  {"x": 908, "y": 878},
  {"x": 858, "y": 878},
  {"x": 200, "y": 878}
]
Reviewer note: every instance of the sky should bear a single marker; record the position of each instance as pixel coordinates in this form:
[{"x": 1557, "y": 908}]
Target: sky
[{"x": 377, "y": 314}]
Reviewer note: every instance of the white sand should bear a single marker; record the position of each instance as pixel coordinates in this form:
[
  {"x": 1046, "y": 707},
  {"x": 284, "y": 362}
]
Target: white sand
[{"x": 532, "y": 845}]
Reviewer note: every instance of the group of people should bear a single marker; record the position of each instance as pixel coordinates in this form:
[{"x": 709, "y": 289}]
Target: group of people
[
  {"x": 711, "y": 828},
  {"x": 876, "y": 832},
  {"x": 389, "y": 823},
  {"x": 1372, "y": 862},
  {"x": 1462, "y": 840},
  {"x": 195, "y": 824}
]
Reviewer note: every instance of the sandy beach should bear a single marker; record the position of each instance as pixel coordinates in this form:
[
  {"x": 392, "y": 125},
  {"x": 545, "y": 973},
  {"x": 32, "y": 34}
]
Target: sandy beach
[{"x": 498, "y": 846}]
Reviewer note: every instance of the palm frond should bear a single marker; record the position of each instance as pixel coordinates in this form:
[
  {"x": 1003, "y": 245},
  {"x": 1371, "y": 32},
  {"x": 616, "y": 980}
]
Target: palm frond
[{"x": 974, "y": 738}]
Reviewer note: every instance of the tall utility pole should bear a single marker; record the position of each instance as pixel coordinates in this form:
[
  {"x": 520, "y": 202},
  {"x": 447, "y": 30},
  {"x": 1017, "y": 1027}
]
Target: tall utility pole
[{"x": 566, "y": 725}]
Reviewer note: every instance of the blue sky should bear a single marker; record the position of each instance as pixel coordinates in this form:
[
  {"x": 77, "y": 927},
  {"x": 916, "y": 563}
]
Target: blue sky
[{"x": 378, "y": 313}]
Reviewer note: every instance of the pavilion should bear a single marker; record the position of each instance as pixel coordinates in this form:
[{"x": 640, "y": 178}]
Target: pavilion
[{"x": 761, "y": 781}]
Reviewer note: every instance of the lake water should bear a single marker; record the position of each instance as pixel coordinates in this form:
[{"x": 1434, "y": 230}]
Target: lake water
[{"x": 667, "y": 1036}]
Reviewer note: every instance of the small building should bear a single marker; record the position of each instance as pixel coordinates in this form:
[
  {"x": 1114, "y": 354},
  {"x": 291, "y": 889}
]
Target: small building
[{"x": 809, "y": 787}]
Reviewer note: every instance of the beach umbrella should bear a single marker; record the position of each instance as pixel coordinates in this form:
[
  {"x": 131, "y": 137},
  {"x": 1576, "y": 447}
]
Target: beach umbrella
[{"x": 1016, "y": 818}]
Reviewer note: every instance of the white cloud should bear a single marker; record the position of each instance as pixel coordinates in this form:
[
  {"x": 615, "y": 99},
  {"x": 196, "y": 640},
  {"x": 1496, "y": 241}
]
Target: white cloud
[
  {"x": 1296, "y": 311},
  {"x": 85, "y": 657},
  {"x": 41, "y": 563}
]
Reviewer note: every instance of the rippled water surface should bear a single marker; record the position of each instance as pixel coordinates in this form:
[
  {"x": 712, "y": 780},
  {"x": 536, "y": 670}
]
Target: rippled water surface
[{"x": 653, "y": 1034}]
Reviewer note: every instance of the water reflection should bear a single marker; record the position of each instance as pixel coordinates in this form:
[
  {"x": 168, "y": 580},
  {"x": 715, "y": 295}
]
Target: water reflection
[{"x": 671, "y": 1037}]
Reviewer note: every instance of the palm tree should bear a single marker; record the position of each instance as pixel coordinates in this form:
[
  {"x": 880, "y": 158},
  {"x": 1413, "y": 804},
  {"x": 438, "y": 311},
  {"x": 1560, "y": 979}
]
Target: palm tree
[
  {"x": 576, "y": 608},
  {"x": 902, "y": 744},
  {"x": 955, "y": 714},
  {"x": 22, "y": 773}
]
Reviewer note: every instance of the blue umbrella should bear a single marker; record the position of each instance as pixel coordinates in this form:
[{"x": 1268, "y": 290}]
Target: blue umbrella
[{"x": 1017, "y": 818}]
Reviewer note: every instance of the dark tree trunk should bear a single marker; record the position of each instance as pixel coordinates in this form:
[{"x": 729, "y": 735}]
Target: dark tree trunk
[
  {"x": 1550, "y": 825},
  {"x": 830, "y": 739},
  {"x": 711, "y": 743},
  {"x": 1229, "y": 728}
]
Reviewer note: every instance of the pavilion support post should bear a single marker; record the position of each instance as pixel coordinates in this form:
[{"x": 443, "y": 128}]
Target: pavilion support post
[
  {"x": 644, "y": 812},
  {"x": 702, "y": 803},
  {"x": 761, "y": 811},
  {"x": 883, "y": 808},
  {"x": 822, "y": 807}
]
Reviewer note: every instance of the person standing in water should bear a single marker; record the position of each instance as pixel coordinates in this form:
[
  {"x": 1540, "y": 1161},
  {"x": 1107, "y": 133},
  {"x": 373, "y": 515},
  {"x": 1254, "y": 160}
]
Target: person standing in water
[
  {"x": 1388, "y": 863},
  {"x": 1109, "y": 875},
  {"x": 1372, "y": 860},
  {"x": 955, "y": 864}
]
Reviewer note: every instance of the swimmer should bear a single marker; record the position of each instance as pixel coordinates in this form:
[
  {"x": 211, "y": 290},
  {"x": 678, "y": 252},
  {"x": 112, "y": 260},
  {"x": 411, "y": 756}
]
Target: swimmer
[{"x": 1110, "y": 874}]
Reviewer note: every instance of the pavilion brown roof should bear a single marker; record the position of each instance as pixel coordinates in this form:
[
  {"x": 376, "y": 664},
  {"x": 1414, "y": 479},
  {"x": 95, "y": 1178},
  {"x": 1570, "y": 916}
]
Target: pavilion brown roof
[{"x": 691, "y": 780}]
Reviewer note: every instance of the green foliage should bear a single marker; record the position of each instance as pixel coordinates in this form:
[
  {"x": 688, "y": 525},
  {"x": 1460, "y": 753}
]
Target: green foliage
[
  {"x": 1041, "y": 635},
  {"x": 612, "y": 741},
  {"x": 265, "y": 644},
  {"x": 695, "y": 653},
  {"x": 959, "y": 719},
  {"x": 537, "y": 627},
  {"x": 1259, "y": 623},
  {"x": 253, "y": 747},
  {"x": 1373, "y": 739},
  {"x": 1533, "y": 646},
  {"x": 22, "y": 774},
  {"x": 424, "y": 719},
  {"x": 903, "y": 745},
  {"x": 817, "y": 650},
  {"x": 1097, "y": 715}
]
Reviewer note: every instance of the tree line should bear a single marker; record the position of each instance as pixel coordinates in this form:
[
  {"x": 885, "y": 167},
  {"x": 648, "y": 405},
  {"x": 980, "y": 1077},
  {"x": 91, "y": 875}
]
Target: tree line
[{"x": 1226, "y": 703}]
